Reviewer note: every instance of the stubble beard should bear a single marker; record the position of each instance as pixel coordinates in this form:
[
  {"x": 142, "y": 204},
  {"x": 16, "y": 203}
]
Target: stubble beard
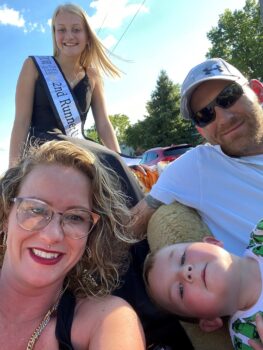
[{"x": 252, "y": 142}]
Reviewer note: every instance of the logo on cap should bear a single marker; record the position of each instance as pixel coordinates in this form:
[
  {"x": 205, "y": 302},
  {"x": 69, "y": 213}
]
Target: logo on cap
[{"x": 208, "y": 71}]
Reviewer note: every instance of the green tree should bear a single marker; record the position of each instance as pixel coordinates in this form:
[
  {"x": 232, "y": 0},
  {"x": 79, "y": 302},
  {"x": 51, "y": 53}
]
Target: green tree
[
  {"x": 92, "y": 134},
  {"x": 162, "y": 126},
  {"x": 238, "y": 39},
  {"x": 120, "y": 123},
  {"x": 135, "y": 136}
]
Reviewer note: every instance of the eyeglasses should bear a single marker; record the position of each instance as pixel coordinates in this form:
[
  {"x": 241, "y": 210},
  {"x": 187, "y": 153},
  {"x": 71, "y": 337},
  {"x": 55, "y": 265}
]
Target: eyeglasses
[
  {"x": 227, "y": 97},
  {"x": 34, "y": 214}
]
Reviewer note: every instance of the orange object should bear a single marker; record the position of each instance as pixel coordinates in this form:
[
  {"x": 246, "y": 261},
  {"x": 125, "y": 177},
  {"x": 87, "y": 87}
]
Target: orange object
[{"x": 146, "y": 180}]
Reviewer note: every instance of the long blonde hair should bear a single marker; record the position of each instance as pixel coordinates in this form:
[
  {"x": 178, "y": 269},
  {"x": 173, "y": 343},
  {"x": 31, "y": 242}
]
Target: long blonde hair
[{"x": 95, "y": 53}]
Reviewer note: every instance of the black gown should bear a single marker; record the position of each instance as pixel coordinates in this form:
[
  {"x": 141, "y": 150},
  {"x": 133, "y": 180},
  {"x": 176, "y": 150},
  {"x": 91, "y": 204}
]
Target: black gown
[{"x": 44, "y": 124}]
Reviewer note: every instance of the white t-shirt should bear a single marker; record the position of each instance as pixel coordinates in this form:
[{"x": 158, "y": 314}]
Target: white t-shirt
[{"x": 226, "y": 191}]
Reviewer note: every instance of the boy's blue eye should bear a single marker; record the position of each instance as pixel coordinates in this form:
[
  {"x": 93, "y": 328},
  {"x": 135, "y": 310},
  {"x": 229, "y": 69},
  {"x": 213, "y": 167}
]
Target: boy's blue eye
[
  {"x": 183, "y": 259},
  {"x": 181, "y": 290}
]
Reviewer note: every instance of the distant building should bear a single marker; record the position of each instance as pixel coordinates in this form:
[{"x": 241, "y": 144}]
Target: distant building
[{"x": 129, "y": 151}]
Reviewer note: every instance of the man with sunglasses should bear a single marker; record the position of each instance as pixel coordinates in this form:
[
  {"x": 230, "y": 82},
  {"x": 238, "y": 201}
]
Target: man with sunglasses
[{"x": 222, "y": 179}]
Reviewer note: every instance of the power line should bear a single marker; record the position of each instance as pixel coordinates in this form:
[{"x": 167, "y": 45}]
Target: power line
[
  {"x": 103, "y": 21},
  {"x": 125, "y": 31}
]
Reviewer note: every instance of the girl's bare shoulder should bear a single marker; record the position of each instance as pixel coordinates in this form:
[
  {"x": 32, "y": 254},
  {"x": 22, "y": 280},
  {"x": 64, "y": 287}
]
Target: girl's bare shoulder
[
  {"x": 94, "y": 76},
  {"x": 29, "y": 68}
]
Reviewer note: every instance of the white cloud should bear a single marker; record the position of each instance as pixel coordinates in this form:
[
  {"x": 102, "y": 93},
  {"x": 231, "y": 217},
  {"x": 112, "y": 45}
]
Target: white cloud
[
  {"x": 42, "y": 28},
  {"x": 30, "y": 27},
  {"x": 111, "y": 13},
  {"x": 109, "y": 41},
  {"x": 9, "y": 16},
  {"x": 108, "y": 14}
]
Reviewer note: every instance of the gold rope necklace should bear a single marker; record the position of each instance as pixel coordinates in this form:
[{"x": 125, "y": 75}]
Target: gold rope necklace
[{"x": 37, "y": 332}]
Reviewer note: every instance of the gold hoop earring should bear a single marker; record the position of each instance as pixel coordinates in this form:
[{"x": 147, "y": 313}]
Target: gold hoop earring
[
  {"x": 88, "y": 279},
  {"x": 3, "y": 245}
]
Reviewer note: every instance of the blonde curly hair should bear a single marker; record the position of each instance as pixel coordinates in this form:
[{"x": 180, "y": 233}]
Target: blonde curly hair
[{"x": 106, "y": 253}]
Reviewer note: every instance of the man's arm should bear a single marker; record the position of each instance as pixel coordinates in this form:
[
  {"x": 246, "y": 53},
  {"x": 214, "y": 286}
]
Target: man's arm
[{"x": 141, "y": 214}]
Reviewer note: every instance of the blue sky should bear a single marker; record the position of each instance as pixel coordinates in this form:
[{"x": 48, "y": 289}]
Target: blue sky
[{"x": 165, "y": 34}]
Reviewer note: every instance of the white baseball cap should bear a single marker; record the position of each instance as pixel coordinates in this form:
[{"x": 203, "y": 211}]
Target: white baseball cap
[{"x": 211, "y": 69}]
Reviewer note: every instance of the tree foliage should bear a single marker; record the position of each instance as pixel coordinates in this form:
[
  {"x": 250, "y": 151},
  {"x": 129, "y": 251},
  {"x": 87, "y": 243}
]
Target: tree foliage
[
  {"x": 163, "y": 125},
  {"x": 238, "y": 39},
  {"x": 92, "y": 134},
  {"x": 120, "y": 123}
]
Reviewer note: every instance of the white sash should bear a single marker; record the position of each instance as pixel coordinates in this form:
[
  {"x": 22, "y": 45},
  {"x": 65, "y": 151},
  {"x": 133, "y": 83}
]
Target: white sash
[{"x": 60, "y": 96}]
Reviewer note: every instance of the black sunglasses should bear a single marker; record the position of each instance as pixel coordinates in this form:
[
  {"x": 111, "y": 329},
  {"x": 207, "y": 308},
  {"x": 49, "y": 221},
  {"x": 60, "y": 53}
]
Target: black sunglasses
[{"x": 227, "y": 97}]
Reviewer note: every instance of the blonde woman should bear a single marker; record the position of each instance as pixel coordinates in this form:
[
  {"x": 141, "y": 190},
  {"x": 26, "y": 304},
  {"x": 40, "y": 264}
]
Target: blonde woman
[
  {"x": 63, "y": 247},
  {"x": 80, "y": 60}
]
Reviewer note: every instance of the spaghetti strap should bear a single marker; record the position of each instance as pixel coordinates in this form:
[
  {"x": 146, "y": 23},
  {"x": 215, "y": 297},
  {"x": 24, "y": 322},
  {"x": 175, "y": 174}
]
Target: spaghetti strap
[{"x": 65, "y": 314}]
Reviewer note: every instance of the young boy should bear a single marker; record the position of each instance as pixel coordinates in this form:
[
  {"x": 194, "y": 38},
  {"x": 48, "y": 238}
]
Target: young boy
[{"x": 202, "y": 280}]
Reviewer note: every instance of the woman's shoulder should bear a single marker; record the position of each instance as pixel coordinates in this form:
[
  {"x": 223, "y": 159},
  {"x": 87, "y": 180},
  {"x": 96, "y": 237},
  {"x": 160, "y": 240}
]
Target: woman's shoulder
[
  {"x": 95, "y": 309},
  {"x": 101, "y": 305},
  {"x": 92, "y": 312}
]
